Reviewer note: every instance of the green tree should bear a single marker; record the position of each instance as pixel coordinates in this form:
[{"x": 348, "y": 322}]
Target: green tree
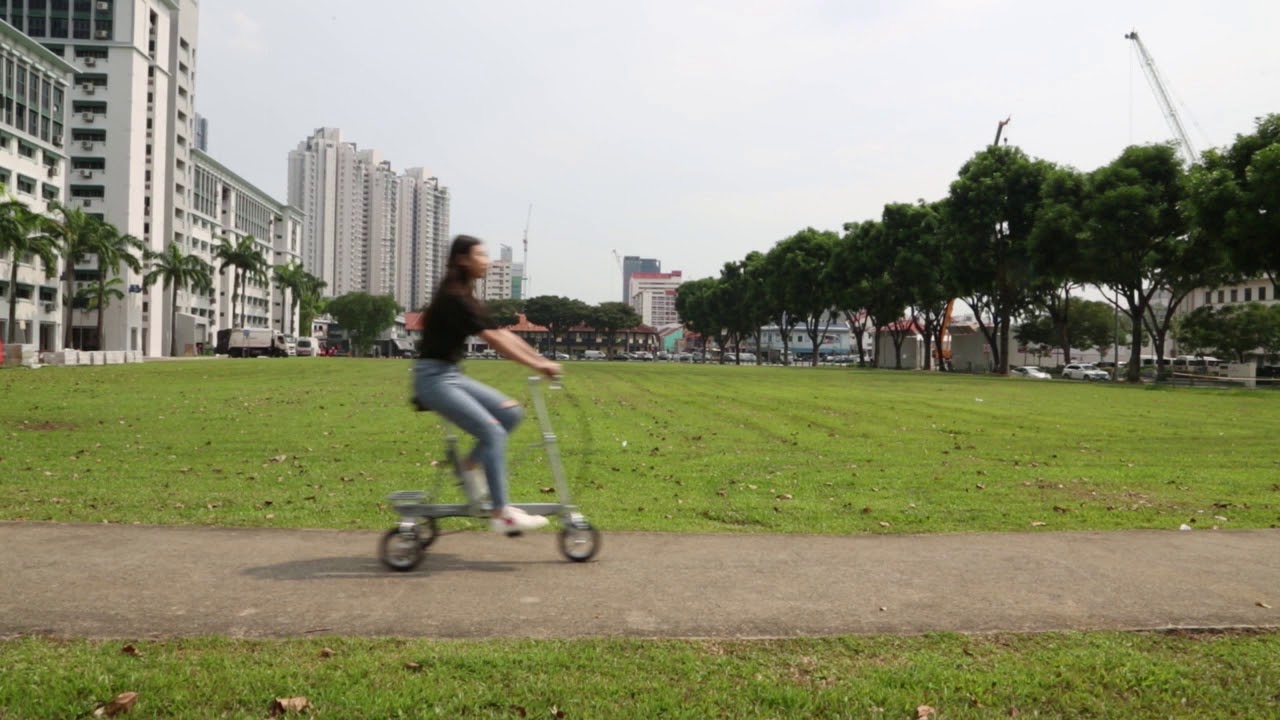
[
  {"x": 74, "y": 232},
  {"x": 738, "y": 303},
  {"x": 311, "y": 301},
  {"x": 1231, "y": 331},
  {"x": 849, "y": 277},
  {"x": 1091, "y": 324},
  {"x": 695, "y": 304},
  {"x": 247, "y": 264},
  {"x": 22, "y": 233},
  {"x": 290, "y": 278},
  {"x": 557, "y": 314},
  {"x": 364, "y": 317},
  {"x": 1133, "y": 226},
  {"x": 1057, "y": 260},
  {"x": 991, "y": 212},
  {"x": 886, "y": 293},
  {"x": 1235, "y": 194},
  {"x": 506, "y": 311},
  {"x": 797, "y": 284},
  {"x": 608, "y": 318},
  {"x": 112, "y": 249},
  {"x": 914, "y": 233},
  {"x": 177, "y": 271}
]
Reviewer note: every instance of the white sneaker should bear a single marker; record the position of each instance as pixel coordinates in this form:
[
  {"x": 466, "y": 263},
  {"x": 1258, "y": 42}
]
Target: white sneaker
[{"x": 513, "y": 523}]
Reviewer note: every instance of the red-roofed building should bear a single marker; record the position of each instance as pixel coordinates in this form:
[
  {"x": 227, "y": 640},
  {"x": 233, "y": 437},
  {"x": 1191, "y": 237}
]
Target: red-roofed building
[{"x": 580, "y": 338}]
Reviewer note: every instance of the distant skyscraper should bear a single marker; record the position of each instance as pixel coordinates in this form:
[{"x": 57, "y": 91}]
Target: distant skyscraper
[
  {"x": 631, "y": 265},
  {"x": 202, "y": 133},
  {"x": 653, "y": 296},
  {"x": 367, "y": 228}
]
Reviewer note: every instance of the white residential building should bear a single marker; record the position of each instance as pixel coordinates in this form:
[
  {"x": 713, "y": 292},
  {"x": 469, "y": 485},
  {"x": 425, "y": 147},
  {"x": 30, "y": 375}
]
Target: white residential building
[
  {"x": 130, "y": 134},
  {"x": 653, "y": 296},
  {"x": 224, "y": 205},
  {"x": 497, "y": 281},
  {"x": 423, "y": 238},
  {"x": 367, "y": 228},
  {"x": 33, "y": 168}
]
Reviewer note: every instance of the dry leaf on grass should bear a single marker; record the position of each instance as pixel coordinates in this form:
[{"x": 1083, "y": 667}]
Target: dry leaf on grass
[
  {"x": 1263, "y": 605},
  {"x": 122, "y": 703},
  {"x": 557, "y": 713},
  {"x": 415, "y": 667},
  {"x": 327, "y": 652},
  {"x": 130, "y": 650},
  {"x": 280, "y": 706},
  {"x": 924, "y": 712}
]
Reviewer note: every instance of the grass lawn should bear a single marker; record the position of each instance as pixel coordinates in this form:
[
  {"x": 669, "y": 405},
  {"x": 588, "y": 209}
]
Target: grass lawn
[
  {"x": 319, "y": 443},
  {"x": 662, "y": 447},
  {"x": 1093, "y": 675},
  {"x": 648, "y": 446}
]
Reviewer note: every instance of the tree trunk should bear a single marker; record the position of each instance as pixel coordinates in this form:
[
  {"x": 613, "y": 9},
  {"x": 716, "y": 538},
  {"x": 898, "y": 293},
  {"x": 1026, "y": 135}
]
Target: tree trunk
[
  {"x": 102, "y": 297},
  {"x": 68, "y": 300},
  {"x": 173, "y": 322},
  {"x": 12, "y": 326}
]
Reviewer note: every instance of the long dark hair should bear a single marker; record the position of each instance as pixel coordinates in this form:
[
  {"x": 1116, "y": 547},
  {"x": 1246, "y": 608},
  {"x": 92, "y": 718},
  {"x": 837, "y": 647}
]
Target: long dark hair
[{"x": 456, "y": 281}]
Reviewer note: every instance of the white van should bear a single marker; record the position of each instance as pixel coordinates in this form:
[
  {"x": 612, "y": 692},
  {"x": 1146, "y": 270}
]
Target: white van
[{"x": 593, "y": 355}]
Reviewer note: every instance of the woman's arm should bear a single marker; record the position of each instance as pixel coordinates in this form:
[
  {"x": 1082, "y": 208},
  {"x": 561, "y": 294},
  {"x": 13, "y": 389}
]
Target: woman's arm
[{"x": 512, "y": 347}]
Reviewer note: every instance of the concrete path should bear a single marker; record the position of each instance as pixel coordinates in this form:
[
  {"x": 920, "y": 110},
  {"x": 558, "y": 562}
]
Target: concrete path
[{"x": 135, "y": 582}]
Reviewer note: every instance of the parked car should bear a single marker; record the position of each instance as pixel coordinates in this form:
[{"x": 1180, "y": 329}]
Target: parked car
[
  {"x": 306, "y": 347},
  {"x": 555, "y": 355},
  {"x": 1084, "y": 371},
  {"x": 642, "y": 355},
  {"x": 592, "y": 355},
  {"x": 1031, "y": 373}
]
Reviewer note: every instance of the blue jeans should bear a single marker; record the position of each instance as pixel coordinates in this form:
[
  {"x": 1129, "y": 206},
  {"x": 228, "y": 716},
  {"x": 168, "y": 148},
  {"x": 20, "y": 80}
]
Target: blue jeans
[{"x": 482, "y": 412}]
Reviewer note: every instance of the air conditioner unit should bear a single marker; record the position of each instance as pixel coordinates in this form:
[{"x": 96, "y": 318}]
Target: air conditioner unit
[
  {"x": 91, "y": 61},
  {"x": 102, "y": 35},
  {"x": 88, "y": 202},
  {"x": 57, "y": 140},
  {"x": 88, "y": 117},
  {"x": 88, "y": 88},
  {"x": 104, "y": 5},
  {"x": 53, "y": 171},
  {"x": 86, "y": 173},
  {"x": 50, "y": 307},
  {"x": 86, "y": 144}
]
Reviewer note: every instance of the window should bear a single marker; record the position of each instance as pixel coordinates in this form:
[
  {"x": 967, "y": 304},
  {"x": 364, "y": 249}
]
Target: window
[
  {"x": 1248, "y": 294},
  {"x": 88, "y": 163},
  {"x": 1208, "y": 298},
  {"x": 1262, "y": 293},
  {"x": 35, "y": 26},
  {"x": 1221, "y": 296},
  {"x": 25, "y": 150},
  {"x": 87, "y": 191},
  {"x": 50, "y": 192},
  {"x": 26, "y": 185},
  {"x": 1235, "y": 295}
]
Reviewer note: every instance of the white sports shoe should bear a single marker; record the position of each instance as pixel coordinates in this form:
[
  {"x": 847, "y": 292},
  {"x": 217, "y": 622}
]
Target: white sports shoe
[{"x": 514, "y": 522}]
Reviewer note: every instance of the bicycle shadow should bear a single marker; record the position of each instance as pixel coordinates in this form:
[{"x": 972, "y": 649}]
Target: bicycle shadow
[{"x": 365, "y": 568}]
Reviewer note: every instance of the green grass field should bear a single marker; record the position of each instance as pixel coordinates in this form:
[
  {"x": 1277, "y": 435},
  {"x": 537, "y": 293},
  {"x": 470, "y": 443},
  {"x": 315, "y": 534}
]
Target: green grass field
[
  {"x": 319, "y": 443},
  {"x": 1095, "y": 676}
]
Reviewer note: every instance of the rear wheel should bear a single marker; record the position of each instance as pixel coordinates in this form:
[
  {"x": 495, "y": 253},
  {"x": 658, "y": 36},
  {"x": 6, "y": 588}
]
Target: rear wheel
[{"x": 579, "y": 541}]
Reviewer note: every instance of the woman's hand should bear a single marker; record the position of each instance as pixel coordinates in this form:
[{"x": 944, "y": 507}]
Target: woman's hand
[{"x": 550, "y": 369}]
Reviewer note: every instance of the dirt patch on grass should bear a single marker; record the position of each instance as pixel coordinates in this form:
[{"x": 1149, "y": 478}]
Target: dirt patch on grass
[{"x": 46, "y": 426}]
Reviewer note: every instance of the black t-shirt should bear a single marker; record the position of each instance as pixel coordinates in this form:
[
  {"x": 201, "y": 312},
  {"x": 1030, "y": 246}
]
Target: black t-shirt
[{"x": 448, "y": 322}]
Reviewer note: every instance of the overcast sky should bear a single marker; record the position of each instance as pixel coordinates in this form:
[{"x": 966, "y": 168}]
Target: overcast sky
[{"x": 695, "y": 132}]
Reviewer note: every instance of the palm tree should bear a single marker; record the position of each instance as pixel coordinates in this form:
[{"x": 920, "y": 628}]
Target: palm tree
[
  {"x": 290, "y": 277},
  {"x": 112, "y": 248},
  {"x": 22, "y": 233},
  {"x": 100, "y": 294},
  {"x": 177, "y": 271},
  {"x": 73, "y": 232},
  {"x": 311, "y": 301},
  {"x": 246, "y": 262}
]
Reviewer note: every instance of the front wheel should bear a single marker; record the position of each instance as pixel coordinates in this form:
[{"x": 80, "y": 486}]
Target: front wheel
[
  {"x": 579, "y": 541},
  {"x": 401, "y": 550}
]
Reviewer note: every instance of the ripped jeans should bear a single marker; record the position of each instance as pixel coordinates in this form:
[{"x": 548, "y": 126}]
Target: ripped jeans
[{"x": 482, "y": 412}]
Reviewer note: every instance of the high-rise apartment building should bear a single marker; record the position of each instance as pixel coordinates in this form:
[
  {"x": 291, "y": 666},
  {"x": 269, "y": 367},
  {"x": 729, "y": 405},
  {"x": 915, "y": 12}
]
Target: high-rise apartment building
[
  {"x": 129, "y": 134},
  {"x": 34, "y": 85},
  {"x": 631, "y": 265},
  {"x": 498, "y": 281},
  {"x": 365, "y": 227}
]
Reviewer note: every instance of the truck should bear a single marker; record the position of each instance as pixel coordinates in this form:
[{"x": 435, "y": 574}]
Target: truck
[{"x": 252, "y": 342}]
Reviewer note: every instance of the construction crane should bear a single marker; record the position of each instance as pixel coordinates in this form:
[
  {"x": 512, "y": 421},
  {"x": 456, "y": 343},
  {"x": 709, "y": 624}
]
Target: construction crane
[
  {"x": 1162, "y": 97},
  {"x": 618, "y": 259},
  {"x": 1000, "y": 130},
  {"x": 524, "y": 268}
]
